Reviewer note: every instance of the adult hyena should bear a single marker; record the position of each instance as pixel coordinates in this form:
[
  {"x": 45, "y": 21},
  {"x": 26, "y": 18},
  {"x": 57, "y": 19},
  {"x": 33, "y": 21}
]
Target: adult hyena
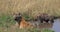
[{"x": 46, "y": 18}]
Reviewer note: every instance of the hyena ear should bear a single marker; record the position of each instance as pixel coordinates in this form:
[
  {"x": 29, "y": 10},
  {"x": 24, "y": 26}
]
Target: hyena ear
[
  {"x": 20, "y": 14},
  {"x": 14, "y": 15}
]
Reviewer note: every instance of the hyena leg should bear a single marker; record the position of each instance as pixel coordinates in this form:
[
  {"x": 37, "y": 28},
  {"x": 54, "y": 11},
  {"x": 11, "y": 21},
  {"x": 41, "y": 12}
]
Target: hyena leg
[
  {"x": 52, "y": 21},
  {"x": 46, "y": 21},
  {"x": 41, "y": 21},
  {"x": 17, "y": 24}
]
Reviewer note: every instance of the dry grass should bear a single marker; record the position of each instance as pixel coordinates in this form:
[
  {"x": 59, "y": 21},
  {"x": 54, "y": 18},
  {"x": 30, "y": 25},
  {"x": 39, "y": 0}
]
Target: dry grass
[{"x": 32, "y": 6}]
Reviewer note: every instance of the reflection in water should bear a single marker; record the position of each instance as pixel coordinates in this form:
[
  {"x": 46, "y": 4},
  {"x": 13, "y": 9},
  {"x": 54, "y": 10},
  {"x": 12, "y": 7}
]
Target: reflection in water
[{"x": 56, "y": 25}]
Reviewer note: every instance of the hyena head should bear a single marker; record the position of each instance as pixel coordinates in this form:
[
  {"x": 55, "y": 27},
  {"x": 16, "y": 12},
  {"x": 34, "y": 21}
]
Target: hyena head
[{"x": 18, "y": 18}]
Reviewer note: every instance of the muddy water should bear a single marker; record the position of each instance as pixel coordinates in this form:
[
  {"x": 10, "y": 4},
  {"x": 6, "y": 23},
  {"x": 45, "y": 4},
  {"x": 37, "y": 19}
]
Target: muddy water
[{"x": 56, "y": 25}]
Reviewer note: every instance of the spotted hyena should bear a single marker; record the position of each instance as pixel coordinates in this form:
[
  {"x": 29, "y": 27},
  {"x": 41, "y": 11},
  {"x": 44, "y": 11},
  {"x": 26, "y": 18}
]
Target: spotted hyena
[{"x": 46, "y": 18}]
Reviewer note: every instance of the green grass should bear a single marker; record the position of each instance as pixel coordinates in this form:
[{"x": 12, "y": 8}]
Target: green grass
[
  {"x": 6, "y": 19},
  {"x": 30, "y": 7},
  {"x": 7, "y": 24},
  {"x": 47, "y": 30}
]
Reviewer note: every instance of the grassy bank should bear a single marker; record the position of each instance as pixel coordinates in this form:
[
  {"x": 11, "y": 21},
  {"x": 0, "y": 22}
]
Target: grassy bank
[
  {"x": 7, "y": 24},
  {"x": 29, "y": 8}
]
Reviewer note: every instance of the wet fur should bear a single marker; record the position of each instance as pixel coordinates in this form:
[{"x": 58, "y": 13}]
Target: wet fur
[
  {"x": 22, "y": 23},
  {"x": 47, "y": 18}
]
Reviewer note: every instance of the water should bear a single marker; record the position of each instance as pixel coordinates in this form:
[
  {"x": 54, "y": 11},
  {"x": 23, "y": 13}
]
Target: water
[{"x": 56, "y": 25}]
